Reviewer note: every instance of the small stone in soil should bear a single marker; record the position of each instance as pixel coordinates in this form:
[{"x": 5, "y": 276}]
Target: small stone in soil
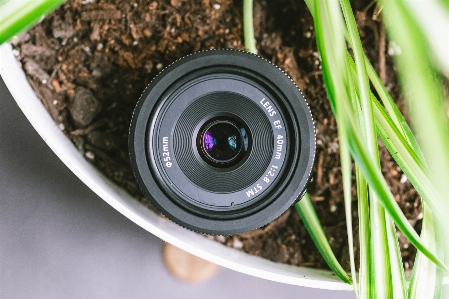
[
  {"x": 403, "y": 179},
  {"x": 237, "y": 244},
  {"x": 220, "y": 239},
  {"x": 89, "y": 155},
  {"x": 84, "y": 107},
  {"x": 149, "y": 67}
]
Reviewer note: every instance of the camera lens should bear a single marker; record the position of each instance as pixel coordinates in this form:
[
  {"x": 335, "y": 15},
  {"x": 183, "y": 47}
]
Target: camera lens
[{"x": 222, "y": 142}]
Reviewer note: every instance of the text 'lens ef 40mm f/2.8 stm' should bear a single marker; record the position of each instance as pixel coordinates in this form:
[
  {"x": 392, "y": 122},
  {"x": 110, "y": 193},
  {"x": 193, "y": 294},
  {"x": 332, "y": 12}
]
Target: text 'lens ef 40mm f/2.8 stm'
[{"x": 222, "y": 142}]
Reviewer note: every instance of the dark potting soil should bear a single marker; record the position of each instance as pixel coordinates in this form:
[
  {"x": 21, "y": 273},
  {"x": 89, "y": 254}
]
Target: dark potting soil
[{"x": 89, "y": 61}]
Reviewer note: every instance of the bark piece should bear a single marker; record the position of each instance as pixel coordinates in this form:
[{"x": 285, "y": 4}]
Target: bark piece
[
  {"x": 34, "y": 70},
  {"x": 110, "y": 14}
]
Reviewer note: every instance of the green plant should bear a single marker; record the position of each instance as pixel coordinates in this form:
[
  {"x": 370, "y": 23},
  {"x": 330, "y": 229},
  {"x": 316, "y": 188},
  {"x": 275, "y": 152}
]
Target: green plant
[{"x": 361, "y": 118}]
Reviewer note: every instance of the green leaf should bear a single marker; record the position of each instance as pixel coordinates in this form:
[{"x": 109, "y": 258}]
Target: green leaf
[
  {"x": 380, "y": 276},
  {"x": 17, "y": 15},
  {"x": 346, "y": 169},
  {"x": 427, "y": 278},
  {"x": 362, "y": 78},
  {"x": 393, "y": 110},
  {"x": 313, "y": 226},
  {"x": 394, "y": 253},
  {"x": 364, "y": 234}
]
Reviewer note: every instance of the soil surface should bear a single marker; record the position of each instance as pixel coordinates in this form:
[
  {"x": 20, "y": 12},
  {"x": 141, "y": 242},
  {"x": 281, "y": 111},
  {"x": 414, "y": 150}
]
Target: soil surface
[{"x": 90, "y": 60}]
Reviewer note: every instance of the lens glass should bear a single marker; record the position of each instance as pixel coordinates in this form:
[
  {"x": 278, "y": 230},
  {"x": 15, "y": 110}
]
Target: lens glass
[{"x": 223, "y": 142}]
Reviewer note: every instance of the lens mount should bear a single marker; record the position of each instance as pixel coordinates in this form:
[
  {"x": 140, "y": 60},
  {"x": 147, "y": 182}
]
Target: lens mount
[{"x": 222, "y": 142}]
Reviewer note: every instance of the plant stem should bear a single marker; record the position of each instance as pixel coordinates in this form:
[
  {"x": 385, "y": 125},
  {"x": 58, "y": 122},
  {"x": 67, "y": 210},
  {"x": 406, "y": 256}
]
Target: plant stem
[{"x": 248, "y": 27}]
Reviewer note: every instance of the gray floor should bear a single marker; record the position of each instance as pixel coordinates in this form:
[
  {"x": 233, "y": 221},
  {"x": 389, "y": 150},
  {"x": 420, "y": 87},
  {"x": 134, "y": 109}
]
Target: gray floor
[{"x": 60, "y": 240}]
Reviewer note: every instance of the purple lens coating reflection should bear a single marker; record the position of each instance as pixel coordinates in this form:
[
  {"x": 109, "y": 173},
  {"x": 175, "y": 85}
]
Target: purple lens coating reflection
[{"x": 209, "y": 141}]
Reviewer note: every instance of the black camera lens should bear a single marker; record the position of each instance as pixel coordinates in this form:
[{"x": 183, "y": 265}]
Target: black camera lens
[{"x": 222, "y": 142}]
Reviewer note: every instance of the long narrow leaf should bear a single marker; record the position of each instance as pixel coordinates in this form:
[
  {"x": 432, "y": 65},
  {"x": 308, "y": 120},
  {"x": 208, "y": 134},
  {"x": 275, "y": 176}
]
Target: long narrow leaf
[
  {"x": 313, "y": 226},
  {"x": 427, "y": 278},
  {"x": 346, "y": 170},
  {"x": 362, "y": 78},
  {"x": 394, "y": 253},
  {"x": 380, "y": 278},
  {"x": 364, "y": 234},
  {"x": 381, "y": 284},
  {"x": 393, "y": 110}
]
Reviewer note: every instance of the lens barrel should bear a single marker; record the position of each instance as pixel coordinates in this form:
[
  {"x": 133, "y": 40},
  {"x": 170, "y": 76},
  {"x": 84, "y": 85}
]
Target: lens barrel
[{"x": 222, "y": 142}]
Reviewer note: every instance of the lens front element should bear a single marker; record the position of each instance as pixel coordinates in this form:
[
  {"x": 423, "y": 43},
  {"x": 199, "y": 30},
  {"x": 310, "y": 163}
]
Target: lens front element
[{"x": 222, "y": 142}]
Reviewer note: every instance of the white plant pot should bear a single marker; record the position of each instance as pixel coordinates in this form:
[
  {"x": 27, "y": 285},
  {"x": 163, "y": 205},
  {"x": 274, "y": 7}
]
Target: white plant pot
[{"x": 119, "y": 199}]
